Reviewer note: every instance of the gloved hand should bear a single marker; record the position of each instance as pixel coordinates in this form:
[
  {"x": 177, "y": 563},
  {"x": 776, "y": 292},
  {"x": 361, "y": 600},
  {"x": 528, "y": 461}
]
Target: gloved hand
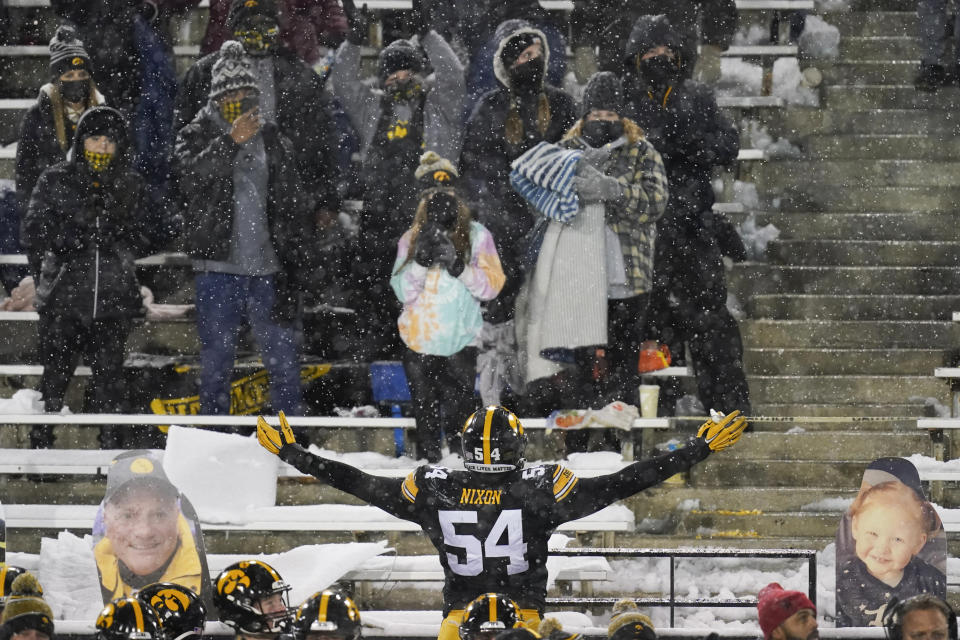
[
  {"x": 723, "y": 433},
  {"x": 428, "y": 244},
  {"x": 446, "y": 254},
  {"x": 358, "y": 21},
  {"x": 597, "y": 156},
  {"x": 594, "y": 186},
  {"x": 273, "y": 439},
  {"x": 584, "y": 63}
]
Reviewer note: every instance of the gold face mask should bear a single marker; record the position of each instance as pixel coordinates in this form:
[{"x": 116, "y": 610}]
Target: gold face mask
[
  {"x": 231, "y": 110},
  {"x": 97, "y": 161},
  {"x": 255, "y": 41}
]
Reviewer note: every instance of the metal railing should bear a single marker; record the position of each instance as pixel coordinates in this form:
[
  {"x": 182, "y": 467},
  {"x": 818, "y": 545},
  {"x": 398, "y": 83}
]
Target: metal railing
[{"x": 672, "y": 601}]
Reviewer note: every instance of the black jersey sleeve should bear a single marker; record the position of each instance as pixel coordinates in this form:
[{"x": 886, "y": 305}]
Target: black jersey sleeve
[
  {"x": 579, "y": 497},
  {"x": 386, "y": 493}
]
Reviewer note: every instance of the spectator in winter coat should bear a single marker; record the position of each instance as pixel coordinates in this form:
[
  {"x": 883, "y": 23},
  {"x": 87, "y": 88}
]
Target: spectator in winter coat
[
  {"x": 682, "y": 121},
  {"x": 398, "y": 119},
  {"x": 250, "y": 233},
  {"x": 446, "y": 267},
  {"x": 86, "y": 218},
  {"x": 305, "y": 27},
  {"x": 47, "y": 129},
  {"x": 507, "y": 122},
  {"x": 606, "y": 24},
  {"x": 291, "y": 96},
  {"x": 786, "y": 615},
  {"x": 27, "y": 616},
  {"x": 627, "y": 623}
]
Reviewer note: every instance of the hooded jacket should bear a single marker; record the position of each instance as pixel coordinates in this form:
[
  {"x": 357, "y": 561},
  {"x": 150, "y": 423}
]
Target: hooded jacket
[
  {"x": 682, "y": 121},
  {"x": 204, "y": 156},
  {"x": 489, "y": 147},
  {"x": 303, "y": 116},
  {"x": 89, "y": 227}
]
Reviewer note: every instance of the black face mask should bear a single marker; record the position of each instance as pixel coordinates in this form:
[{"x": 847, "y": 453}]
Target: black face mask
[
  {"x": 408, "y": 89},
  {"x": 74, "y": 90},
  {"x": 658, "y": 71},
  {"x": 443, "y": 210},
  {"x": 600, "y": 132},
  {"x": 527, "y": 76},
  {"x": 248, "y": 103}
]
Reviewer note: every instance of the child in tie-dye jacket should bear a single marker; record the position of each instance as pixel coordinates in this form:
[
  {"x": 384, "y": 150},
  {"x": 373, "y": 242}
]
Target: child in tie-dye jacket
[{"x": 446, "y": 266}]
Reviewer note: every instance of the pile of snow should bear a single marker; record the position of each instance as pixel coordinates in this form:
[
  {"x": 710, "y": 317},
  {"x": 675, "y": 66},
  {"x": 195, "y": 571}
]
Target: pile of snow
[
  {"x": 750, "y": 35},
  {"x": 68, "y": 573},
  {"x": 756, "y": 238},
  {"x": 23, "y": 401},
  {"x": 222, "y": 474},
  {"x": 926, "y": 464},
  {"x": 939, "y": 409},
  {"x": 828, "y": 505},
  {"x": 820, "y": 40},
  {"x": 739, "y": 78},
  {"x": 758, "y": 137},
  {"x": 823, "y": 6},
  {"x": 746, "y": 194},
  {"x": 787, "y": 80}
]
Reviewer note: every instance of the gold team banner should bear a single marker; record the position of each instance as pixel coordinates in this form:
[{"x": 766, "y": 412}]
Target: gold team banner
[{"x": 248, "y": 395}]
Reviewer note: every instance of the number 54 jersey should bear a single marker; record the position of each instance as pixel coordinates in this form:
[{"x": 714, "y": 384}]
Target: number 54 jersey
[{"x": 492, "y": 532}]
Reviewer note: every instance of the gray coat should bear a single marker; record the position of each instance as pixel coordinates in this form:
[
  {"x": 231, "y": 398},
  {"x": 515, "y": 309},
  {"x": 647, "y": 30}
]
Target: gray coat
[{"x": 444, "y": 102}]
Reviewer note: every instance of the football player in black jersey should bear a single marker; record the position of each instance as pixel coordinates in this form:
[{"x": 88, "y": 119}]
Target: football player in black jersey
[{"x": 491, "y": 523}]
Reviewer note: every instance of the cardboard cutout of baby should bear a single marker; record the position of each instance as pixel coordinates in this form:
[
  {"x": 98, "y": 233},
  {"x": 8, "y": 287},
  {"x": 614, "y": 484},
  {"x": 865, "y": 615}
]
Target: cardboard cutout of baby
[
  {"x": 890, "y": 544},
  {"x": 146, "y": 531}
]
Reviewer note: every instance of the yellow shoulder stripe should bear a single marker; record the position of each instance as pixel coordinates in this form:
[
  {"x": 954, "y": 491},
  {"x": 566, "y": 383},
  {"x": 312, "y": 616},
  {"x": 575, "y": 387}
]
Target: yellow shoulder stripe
[
  {"x": 409, "y": 487},
  {"x": 564, "y": 481}
]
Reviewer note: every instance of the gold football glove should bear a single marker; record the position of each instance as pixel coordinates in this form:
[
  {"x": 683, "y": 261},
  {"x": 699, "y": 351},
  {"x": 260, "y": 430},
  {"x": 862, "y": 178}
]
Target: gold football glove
[
  {"x": 720, "y": 435},
  {"x": 273, "y": 439}
]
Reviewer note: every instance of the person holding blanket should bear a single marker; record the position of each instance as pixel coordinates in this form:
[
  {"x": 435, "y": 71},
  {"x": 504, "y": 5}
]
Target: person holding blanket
[{"x": 600, "y": 191}]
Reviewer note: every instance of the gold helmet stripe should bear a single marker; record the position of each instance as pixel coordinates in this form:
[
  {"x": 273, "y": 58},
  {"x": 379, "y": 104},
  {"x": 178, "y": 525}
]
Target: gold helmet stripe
[
  {"x": 138, "y": 616},
  {"x": 487, "y": 421},
  {"x": 3, "y": 578},
  {"x": 492, "y": 599},
  {"x": 276, "y": 576},
  {"x": 515, "y": 423},
  {"x": 324, "y": 601}
]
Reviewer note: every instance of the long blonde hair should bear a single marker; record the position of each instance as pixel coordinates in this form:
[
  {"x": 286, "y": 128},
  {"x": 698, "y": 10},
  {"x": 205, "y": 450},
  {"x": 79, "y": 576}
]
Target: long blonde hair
[
  {"x": 460, "y": 235},
  {"x": 631, "y": 129}
]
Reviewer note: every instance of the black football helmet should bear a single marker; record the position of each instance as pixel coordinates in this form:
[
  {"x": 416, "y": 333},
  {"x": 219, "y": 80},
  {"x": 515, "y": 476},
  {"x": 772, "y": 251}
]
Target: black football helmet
[
  {"x": 329, "y": 613},
  {"x": 8, "y": 573},
  {"x": 241, "y": 589},
  {"x": 493, "y": 441},
  {"x": 488, "y": 615},
  {"x": 181, "y": 611},
  {"x": 128, "y": 619}
]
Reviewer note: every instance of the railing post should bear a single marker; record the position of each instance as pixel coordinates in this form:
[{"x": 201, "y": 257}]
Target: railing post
[{"x": 672, "y": 594}]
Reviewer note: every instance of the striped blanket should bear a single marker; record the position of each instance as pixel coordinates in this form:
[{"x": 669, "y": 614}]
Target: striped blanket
[{"x": 544, "y": 177}]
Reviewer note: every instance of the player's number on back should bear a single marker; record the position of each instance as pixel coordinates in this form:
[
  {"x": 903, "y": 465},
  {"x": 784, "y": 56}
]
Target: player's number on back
[{"x": 509, "y": 522}]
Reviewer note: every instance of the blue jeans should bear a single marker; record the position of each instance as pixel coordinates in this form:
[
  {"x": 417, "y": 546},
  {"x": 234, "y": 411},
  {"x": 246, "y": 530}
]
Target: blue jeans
[
  {"x": 224, "y": 302},
  {"x": 480, "y": 77}
]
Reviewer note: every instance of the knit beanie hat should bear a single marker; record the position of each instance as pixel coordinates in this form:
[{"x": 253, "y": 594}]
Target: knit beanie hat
[
  {"x": 604, "y": 92},
  {"x": 26, "y": 608},
  {"x": 240, "y": 10},
  {"x": 396, "y": 56},
  {"x": 436, "y": 172},
  {"x": 516, "y": 45},
  {"x": 67, "y": 52},
  {"x": 232, "y": 70},
  {"x": 628, "y": 623},
  {"x": 774, "y": 606},
  {"x": 551, "y": 629}
]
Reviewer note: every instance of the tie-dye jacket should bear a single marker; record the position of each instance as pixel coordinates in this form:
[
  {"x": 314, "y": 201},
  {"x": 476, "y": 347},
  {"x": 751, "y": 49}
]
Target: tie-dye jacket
[{"x": 441, "y": 314}]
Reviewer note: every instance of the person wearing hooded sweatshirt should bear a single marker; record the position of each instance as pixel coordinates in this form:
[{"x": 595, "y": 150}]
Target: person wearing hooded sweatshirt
[
  {"x": 48, "y": 126},
  {"x": 505, "y": 123},
  {"x": 26, "y": 615},
  {"x": 250, "y": 233},
  {"x": 86, "y": 218},
  {"x": 446, "y": 266},
  {"x": 688, "y": 301},
  {"x": 291, "y": 96},
  {"x": 397, "y": 120}
]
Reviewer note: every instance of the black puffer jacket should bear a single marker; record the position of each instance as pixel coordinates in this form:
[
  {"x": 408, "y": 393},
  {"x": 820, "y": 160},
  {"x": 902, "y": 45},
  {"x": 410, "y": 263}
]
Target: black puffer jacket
[
  {"x": 89, "y": 228},
  {"x": 204, "y": 158},
  {"x": 303, "y": 115}
]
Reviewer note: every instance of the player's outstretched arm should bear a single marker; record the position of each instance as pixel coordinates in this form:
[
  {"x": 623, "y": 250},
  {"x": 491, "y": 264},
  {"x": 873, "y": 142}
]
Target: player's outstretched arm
[
  {"x": 376, "y": 490},
  {"x": 593, "y": 494}
]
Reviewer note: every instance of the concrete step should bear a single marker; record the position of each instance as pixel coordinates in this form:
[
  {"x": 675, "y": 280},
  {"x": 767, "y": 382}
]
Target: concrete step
[
  {"x": 852, "y": 307},
  {"x": 860, "y": 97},
  {"x": 896, "y": 46},
  {"x": 853, "y": 24},
  {"x": 870, "y": 121},
  {"x": 891, "y": 253},
  {"x": 883, "y": 146},
  {"x": 720, "y": 471},
  {"x": 905, "y": 411},
  {"x": 852, "y": 389},
  {"x": 856, "y": 173},
  {"x": 816, "y": 226},
  {"x": 882, "y": 71},
  {"x": 825, "y": 445},
  {"x": 806, "y": 197},
  {"x": 808, "y": 362},
  {"x": 657, "y": 501},
  {"x": 760, "y": 278},
  {"x": 840, "y": 334},
  {"x": 769, "y": 525}
]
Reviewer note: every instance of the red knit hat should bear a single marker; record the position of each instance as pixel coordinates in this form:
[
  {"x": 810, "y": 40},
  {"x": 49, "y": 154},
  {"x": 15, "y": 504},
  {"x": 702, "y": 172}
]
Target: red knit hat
[{"x": 774, "y": 606}]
